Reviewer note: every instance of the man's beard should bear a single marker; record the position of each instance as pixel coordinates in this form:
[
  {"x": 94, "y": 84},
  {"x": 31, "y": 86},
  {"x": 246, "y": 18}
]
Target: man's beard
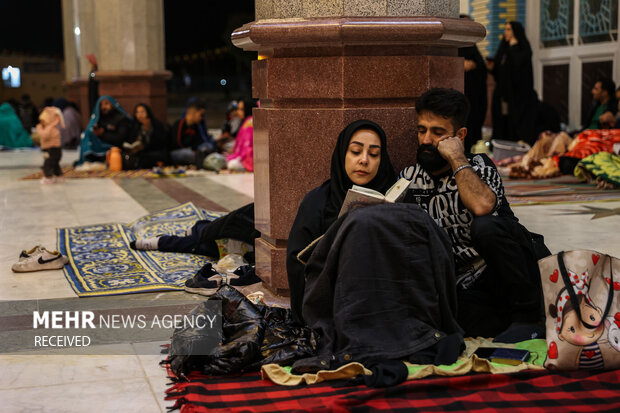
[{"x": 430, "y": 158}]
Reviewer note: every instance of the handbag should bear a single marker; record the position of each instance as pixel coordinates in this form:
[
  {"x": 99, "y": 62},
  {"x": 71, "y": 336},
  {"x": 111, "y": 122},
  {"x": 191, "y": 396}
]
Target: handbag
[{"x": 582, "y": 310}]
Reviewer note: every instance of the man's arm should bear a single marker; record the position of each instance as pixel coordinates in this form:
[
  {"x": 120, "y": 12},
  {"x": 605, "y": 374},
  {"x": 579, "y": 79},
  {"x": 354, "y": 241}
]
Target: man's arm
[{"x": 474, "y": 192}]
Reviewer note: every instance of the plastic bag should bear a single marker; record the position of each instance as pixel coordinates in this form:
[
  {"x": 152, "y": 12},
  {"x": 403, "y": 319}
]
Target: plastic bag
[{"x": 252, "y": 335}]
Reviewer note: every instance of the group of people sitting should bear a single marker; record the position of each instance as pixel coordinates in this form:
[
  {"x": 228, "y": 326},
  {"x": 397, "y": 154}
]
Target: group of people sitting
[
  {"x": 146, "y": 142},
  {"x": 405, "y": 280},
  {"x": 18, "y": 120}
]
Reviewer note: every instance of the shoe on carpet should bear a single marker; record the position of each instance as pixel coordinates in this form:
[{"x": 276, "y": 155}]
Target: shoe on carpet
[
  {"x": 205, "y": 281},
  {"x": 48, "y": 180},
  {"x": 41, "y": 260},
  {"x": 26, "y": 254}
]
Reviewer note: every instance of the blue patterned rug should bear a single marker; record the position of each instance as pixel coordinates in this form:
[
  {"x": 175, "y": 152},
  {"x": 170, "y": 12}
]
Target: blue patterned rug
[{"x": 102, "y": 263}]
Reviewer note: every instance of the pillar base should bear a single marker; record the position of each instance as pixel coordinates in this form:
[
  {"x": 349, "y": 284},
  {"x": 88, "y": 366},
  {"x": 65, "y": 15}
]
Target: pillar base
[
  {"x": 132, "y": 87},
  {"x": 128, "y": 87},
  {"x": 77, "y": 92},
  {"x": 271, "y": 266}
]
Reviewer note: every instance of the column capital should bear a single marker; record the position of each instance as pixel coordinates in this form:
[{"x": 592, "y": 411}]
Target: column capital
[{"x": 354, "y": 31}]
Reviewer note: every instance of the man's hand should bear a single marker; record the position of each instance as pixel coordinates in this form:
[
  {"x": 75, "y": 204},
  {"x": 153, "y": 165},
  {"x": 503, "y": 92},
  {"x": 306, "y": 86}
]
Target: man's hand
[
  {"x": 452, "y": 150},
  {"x": 98, "y": 131},
  {"x": 607, "y": 120}
]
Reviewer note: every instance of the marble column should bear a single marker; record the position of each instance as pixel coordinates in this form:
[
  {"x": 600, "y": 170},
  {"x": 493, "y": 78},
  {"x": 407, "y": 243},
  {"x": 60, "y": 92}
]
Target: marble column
[
  {"x": 323, "y": 64},
  {"x": 127, "y": 37}
]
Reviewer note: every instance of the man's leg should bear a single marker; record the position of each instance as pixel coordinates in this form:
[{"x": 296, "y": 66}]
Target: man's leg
[
  {"x": 173, "y": 243},
  {"x": 513, "y": 276}
]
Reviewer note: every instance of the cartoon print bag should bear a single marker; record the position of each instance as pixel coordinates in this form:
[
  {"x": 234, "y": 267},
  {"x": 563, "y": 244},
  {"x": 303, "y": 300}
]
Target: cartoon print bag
[{"x": 582, "y": 310}]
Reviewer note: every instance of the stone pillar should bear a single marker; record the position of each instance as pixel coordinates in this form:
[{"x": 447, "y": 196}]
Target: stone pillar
[
  {"x": 323, "y": 64},
  {"x": 127, "y": 37}
]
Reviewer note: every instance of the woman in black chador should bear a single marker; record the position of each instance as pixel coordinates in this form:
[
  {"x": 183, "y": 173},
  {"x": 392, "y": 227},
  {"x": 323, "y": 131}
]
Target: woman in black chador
[{"x": 514, "y": 99}]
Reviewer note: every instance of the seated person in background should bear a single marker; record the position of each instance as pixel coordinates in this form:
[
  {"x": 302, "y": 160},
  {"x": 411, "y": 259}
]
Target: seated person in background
[
  {"x": 230, "y": 128},
  {"x": 604, "y": 107},
  {"x": 146, "y": 146},
  {"x": 360, "y": 157},
  {"x": 498, "y": 282},
  {"x": 189, "y": 142},
  {"x": 109, "y": 126},
  {"x": 113, "y": 125},
  {"x": 12, "y": 133},
  {"x": 242, "y": 156}
]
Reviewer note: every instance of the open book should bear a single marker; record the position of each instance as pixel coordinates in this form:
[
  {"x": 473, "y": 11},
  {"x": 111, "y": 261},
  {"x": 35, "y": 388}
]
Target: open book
[{"x": 359, "y": 196}]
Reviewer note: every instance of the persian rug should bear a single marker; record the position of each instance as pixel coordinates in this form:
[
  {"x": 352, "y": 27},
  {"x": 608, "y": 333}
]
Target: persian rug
[{"x": 101, "y": 262}]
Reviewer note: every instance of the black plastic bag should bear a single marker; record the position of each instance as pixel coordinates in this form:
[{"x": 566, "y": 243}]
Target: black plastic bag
[{"x": 252, "y": 335}]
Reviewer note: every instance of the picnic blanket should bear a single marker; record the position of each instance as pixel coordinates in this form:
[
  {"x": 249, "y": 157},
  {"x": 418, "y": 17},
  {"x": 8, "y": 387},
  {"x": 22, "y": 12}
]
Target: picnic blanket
[
  {"x": 101, "y": 261},
  {"x": 531, "y": 390}
]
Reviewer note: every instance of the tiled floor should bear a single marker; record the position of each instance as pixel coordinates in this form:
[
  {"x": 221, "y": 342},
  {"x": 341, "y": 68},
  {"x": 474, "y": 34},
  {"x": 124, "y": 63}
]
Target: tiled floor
[{"x": 134, "y": 382}]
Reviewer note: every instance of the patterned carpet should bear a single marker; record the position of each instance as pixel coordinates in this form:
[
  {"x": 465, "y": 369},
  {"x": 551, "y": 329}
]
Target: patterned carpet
[
  {"x": 561, "y": 190},
  {"x": 69, "y": 172},
  {"x": 102, "y": 263}
]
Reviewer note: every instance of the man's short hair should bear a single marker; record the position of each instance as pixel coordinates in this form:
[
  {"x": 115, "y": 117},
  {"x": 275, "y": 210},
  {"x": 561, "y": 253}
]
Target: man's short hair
[
  {"x": 608, "y": 85},
  {"x": 448, "y": 103},
  {"x": 196, "y": 104}
]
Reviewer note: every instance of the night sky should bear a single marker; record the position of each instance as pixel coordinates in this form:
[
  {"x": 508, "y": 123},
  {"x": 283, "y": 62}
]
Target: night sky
[{"x": 192, "y": 26}]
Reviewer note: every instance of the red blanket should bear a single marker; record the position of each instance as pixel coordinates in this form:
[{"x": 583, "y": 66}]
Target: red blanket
[{"x": 542, "y": 391}]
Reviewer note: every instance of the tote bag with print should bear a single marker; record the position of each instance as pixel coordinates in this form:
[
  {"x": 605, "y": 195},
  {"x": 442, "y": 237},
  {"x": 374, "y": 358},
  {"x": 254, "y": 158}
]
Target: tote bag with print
[{"x": 582, "y": 307}]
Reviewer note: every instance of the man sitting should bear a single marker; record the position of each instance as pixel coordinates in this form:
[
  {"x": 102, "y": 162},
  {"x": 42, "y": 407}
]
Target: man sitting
[
  {"x": 498, "y": 285},
  {"x": 113, "y": 126},
  {"x": 187, "y": 144},
  {"x": 603, "y": 112}
]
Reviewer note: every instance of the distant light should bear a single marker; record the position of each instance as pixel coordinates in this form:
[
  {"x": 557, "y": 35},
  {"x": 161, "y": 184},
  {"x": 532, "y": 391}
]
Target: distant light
[
  {"x": 223, "y": 82},
  {"x": 76, "y": 31}
]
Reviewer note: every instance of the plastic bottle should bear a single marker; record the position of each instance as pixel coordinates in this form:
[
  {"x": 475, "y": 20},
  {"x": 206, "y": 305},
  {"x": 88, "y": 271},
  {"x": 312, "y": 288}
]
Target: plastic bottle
[{"x": 115, "y": 161}]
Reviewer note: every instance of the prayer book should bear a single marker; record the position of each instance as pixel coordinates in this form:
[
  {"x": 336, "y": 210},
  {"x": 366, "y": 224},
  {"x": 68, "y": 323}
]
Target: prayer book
[{"x": 359, "y": 196}]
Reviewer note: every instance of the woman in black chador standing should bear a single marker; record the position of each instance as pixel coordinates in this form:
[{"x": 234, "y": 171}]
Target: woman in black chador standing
[{"x": 514, "y": 99}]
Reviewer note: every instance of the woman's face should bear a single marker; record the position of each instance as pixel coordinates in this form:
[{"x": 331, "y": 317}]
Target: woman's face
[
  {"x": 508, "y": 34},
  {"x": 141, "y": 114},
  {"x": 575, "y": 332},
  {"x": 241, "y": 109},
  {"x": 363, "y": 156}
]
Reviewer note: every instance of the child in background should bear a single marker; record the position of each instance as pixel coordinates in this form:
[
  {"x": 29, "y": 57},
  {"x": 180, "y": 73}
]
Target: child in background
[{"x": 47, "y": 129}]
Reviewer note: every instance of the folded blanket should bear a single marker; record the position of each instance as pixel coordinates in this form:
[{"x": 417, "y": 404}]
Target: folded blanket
[
  {"x": 466, "y": 363},
  {"x": 602, "y": 168}
]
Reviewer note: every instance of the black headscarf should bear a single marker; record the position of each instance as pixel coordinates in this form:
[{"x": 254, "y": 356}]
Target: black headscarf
[
  {"x": 519, "y": 32},
  {"x": 340, "y": 181}
]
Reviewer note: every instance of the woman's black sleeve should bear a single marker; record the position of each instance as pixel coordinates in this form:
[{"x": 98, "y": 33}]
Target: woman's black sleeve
[{"x": 305, "y": 229}]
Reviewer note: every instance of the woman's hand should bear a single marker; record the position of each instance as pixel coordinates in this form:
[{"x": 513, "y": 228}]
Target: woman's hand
[{"x": 469, "y": 65}]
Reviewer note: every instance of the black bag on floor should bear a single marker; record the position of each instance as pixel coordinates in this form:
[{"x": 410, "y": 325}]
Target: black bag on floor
[{"x": 253, "y": 335}]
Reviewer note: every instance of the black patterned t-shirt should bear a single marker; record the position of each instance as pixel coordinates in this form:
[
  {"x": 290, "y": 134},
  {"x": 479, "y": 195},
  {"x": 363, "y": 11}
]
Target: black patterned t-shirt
[{"x": 439, "y": 197}]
